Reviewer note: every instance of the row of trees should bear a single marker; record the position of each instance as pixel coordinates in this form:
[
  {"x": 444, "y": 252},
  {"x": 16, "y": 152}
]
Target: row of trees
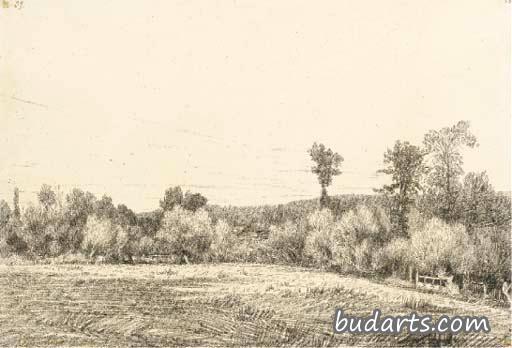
[
  {"x": 79, "y": 222},
  {"x": 431, "y": 172},
  {"x": 427, "y": 186},
  {"x": 428, "y": 217}
]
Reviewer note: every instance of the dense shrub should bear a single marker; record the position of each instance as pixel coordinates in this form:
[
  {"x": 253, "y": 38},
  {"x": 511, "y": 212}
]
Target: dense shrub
[
  {"x": 319, "y": 246},
  {"x": 224, "y": 241},
  {"x": 33, "y": 230},
  {"x": 103, "y": 237},
  {"x": 492, "y": 250},
  {"x": 287, "y": 242},
  {"x": 438, "y": 247},
  {"x": 145, "y": 246},
  {"x": 396, "y": 256},
  {"x": 353, "y": 242},
  {"x": 46, "y": 226},
  {"x": 359, "y": 236},
  {"x": 78, "y": 206},
  {"x": 125, "y": 243},
  {"x": 10, "y": 238},
  {"x": 186, "y": 234}
]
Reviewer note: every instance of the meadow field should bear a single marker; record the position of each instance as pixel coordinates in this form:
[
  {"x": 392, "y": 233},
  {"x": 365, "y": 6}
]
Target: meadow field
[{"x": 212, "y": 305}]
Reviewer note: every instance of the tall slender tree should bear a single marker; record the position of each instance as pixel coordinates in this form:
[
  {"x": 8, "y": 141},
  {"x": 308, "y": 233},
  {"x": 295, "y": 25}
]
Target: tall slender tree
[
  {"x": 445, "y": 153},
  {"x": 16, "y": 203},
  {"x": 327, "y": 166},
  {"x": 404, "y": 163}
]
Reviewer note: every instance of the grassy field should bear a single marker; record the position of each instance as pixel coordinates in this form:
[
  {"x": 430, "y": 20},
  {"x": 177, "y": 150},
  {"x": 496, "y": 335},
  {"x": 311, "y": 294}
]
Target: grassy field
[{"x": 199, "y": 305}]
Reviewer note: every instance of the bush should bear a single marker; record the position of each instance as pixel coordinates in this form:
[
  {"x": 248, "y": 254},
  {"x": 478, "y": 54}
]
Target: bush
[
  {"x": 185, "y": 234},
  {"x": 33, "y": 230},
  {"x": 145, "y": 246},
  {"x": 10, "y": 240},
  {"x": 359, "y": 237},
  {"x": 223, "y": 242},
  {"x": 287, "y": 242},
  {"x": 492, "y": 250},
  {"x": 125, "y": 243},
  {"x": 396, "y": 256},
  {"x": 319, "y": 245},
  {"x": 45, "y": 227},
  {"x": 438, "y": 247},
  {"x": 354, "y": 242},
  {"x": 102, "y": 237}
]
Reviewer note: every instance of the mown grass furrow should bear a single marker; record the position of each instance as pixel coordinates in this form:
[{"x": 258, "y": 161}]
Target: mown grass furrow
[{"x": 175, "y": 310}]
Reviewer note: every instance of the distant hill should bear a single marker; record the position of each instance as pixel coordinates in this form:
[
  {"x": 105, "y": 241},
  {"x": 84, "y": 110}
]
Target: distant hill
[
  {"x": 265, "y": 215},
  {"x": 273, "y": 213}
]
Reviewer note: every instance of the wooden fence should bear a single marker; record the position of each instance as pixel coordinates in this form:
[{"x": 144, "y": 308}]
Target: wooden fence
[
  {"x": 479, "y": 288},
  {"x": 441, "y": 281}
]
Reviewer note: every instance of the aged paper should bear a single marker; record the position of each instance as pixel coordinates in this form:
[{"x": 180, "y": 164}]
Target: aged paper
[{"x": 232, "y": 172}]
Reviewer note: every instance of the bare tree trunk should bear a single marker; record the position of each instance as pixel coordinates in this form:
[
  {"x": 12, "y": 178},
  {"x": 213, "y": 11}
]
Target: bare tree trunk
[{"x": 323, "y": 198}]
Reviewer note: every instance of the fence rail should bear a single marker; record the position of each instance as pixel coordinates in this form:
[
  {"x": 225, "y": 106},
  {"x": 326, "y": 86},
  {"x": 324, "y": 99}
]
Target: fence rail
[
  {"x": 469, "y": 286},
  {"x": 433, "y": 281},
  {"x": 442, "y": 281}
]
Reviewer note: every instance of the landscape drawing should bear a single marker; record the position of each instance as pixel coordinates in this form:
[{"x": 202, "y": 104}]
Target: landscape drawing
[{"x": 248, "y": 173}]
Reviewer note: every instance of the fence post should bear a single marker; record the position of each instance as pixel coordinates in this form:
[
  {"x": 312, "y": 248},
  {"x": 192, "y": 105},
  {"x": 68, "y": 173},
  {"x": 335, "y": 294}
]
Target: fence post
[{"x": 416, "y": 279}]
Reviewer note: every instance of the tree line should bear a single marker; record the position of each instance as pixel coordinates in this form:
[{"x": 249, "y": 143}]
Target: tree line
[
  {"x": 80, "y": 222},
  {"x": 429, "y": 218},
  {"x": 441, "y": 220}
]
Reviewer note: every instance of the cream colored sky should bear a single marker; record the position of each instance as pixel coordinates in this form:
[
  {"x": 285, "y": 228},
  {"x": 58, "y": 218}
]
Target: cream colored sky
[{"x": 225, "y": 97}]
